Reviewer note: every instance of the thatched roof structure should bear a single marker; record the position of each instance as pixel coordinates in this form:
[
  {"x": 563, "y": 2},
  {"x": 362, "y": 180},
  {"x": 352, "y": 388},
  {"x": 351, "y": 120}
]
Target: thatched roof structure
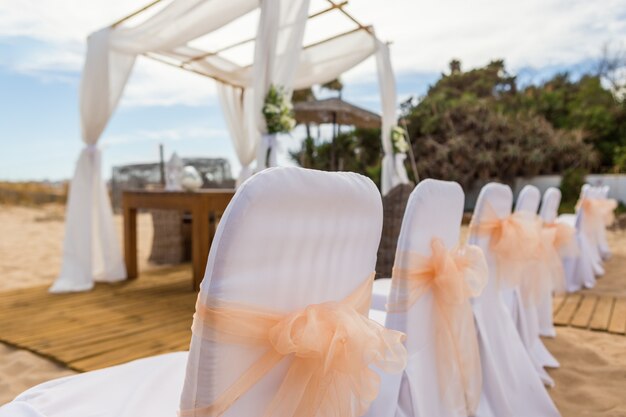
[{"x": 336, "y": 111}]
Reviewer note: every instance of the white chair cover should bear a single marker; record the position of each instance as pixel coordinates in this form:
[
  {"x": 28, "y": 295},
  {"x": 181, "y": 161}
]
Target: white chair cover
[
  {"x": 580, "y": 271},
  {"x": 549, "y": 212},
  {"x": 601, "y": 193},
  {"x": 593, "y": 251},
  {"x": 511, "y": 385},
  {"x": 434, "y": 210},
  {"x": 290, "y": 237},
  {"x": 380, "y": 292},
  {"x": 524, "y": 313},
  {"x": 148, "y": 387}
]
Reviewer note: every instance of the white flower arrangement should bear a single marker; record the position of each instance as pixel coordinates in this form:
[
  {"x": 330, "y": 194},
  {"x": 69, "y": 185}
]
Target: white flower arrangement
[
  {"x": 398, "y": 140},
  {"x": 278, "y": 111}
]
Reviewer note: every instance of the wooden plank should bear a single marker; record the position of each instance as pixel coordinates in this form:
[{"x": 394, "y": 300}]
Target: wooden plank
[
  {"x": 566, "y": 312},
  {"x": 109, "y": 325},
  {"x": 583, "y": 315},
  {"x": 617, "y": 324},
  {"x": 602, "y": 313}
]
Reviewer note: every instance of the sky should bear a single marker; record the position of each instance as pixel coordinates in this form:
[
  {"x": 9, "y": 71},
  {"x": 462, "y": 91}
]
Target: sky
[{"x": 42, "y": 45}]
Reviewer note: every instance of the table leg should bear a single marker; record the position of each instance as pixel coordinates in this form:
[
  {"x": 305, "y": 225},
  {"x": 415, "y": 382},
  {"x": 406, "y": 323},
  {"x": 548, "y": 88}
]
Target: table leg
[
  {"x": 130, "y": 241},
  {"x": 199, "y": 245}
]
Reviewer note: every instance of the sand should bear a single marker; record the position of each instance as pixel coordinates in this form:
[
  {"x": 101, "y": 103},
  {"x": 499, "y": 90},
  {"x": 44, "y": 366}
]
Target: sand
[
  {"x": 590, "y": 382},
  {"x": 592, "y": 378},
  {"x": 31, "y": 242}
]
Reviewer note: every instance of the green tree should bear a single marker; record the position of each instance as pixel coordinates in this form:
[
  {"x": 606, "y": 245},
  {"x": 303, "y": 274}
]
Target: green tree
[
  {"x": 359, "y": 151},
  {"x": 475, "y": 125}
]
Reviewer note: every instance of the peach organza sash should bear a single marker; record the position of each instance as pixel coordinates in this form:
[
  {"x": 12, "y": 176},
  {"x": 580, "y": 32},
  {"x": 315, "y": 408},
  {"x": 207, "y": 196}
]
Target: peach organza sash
[
  {"x": 331, "y": 346},
  {"x": 545, "y": 272},
  {"x": 598, "y": 214},
  {"x": 513, "y": 241},
  {"x": 453, "y": 277},
  {"x": 564, "y": 239}
]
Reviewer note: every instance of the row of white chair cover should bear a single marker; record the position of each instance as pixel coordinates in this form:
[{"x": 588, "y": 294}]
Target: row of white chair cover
[
  {"x": 293, "y": 239},
  {"x": 510, "y": 365}
]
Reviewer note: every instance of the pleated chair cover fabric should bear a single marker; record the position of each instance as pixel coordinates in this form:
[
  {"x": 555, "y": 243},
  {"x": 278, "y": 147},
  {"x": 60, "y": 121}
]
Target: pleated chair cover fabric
[
  {"x": 291, "y": 237},
  {"x": 434, "y": 210},
  {"x": 524, "y": 304},
  {"x": 511, "y": 385}
]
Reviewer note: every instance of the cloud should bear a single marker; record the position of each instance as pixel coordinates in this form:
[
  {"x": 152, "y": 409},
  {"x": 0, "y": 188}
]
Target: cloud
[
  {"x": 531, "y": 33},
  {"x": 164, "y": 135},
  {"x": 528, "y": 34},
  {"x": 59, "y": 30},
  {"x": 155, "y": 84}
]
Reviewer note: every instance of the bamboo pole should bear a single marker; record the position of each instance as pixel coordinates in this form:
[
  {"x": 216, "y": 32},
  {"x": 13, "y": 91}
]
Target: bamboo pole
[
  {"x": 339, "y": 35},
  {"x": 416, "y": 174},
  {"x": 181, "y": 65},
  {"x": 349, "y": 16},
  {"x": 135, "y": 13}
]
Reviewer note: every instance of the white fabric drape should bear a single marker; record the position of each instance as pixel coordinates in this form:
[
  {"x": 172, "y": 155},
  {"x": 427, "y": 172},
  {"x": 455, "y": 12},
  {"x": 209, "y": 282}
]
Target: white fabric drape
[
  {"x": 276, "y": 57},
  {"x": 236, "y": 104},
  {"x": 393, "y": 171},
  {"x": 91, "y": 249},
  {"x": 91, "y": 242}
]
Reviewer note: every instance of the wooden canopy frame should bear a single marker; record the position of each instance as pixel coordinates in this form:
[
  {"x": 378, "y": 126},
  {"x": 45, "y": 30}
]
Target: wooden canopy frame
[{"x": 184, "y": 64}]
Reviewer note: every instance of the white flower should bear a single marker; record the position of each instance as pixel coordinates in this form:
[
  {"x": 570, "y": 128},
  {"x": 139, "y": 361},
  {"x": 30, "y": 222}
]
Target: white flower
[
  {"x": 398, "y": 140},
  {"x": 271, "y": 108}
]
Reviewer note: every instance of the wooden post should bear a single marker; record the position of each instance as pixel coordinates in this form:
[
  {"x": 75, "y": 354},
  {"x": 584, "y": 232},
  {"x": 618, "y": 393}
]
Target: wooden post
[
  {"x": 130, "y": 240},
  {"x": 200, "y": 242}
]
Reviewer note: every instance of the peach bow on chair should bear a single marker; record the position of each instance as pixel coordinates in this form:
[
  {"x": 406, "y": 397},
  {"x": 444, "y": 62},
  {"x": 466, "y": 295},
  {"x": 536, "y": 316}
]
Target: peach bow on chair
[
  {"x": 513, "y": 242},
  {"x": 545, "y": 273},
  {"x": 564, "y": 239},
  {"x": 598, "y": 214},
  {"x": 558, "y": 240},
  {"x": 453, "y": 277},
  {"x": 331, "y": 346}
]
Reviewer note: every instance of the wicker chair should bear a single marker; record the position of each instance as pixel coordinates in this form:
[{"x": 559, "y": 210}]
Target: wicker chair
[
  {"x": 394, "y": 204},
  {"x": 171, "y": 243}
]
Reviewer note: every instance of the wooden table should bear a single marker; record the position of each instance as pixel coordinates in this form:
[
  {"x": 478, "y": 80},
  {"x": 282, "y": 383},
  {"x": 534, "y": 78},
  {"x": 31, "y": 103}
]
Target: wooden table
[{"x": 205, "y": 206}]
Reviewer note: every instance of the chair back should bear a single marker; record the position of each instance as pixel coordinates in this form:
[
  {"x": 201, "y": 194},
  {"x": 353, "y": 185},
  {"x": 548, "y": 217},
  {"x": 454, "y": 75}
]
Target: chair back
[
  {"x": 290, "y": 237},
  {"x": 528, "y": 199},
  {"x": 497, "y": 198},
  {"x": 550, "y": 205},
  {"x": 434, "y": 210}
]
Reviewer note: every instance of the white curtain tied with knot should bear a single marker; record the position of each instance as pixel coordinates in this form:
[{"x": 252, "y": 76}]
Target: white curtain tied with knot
[
  {"x": 91, "y": 247},
  {"x": 393, "y": 169}
]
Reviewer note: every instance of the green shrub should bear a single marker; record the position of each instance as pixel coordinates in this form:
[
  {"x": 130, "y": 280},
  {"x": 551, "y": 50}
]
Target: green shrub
[{"x": 573, "y": 179}]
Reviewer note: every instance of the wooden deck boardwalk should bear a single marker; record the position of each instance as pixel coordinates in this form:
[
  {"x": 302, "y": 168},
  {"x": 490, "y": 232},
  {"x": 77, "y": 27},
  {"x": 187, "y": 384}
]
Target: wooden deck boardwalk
[
  {"x": 597, "y": 312},
  {"x": 117, "y": 323},
  {"x": 107, "y": 326}
]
